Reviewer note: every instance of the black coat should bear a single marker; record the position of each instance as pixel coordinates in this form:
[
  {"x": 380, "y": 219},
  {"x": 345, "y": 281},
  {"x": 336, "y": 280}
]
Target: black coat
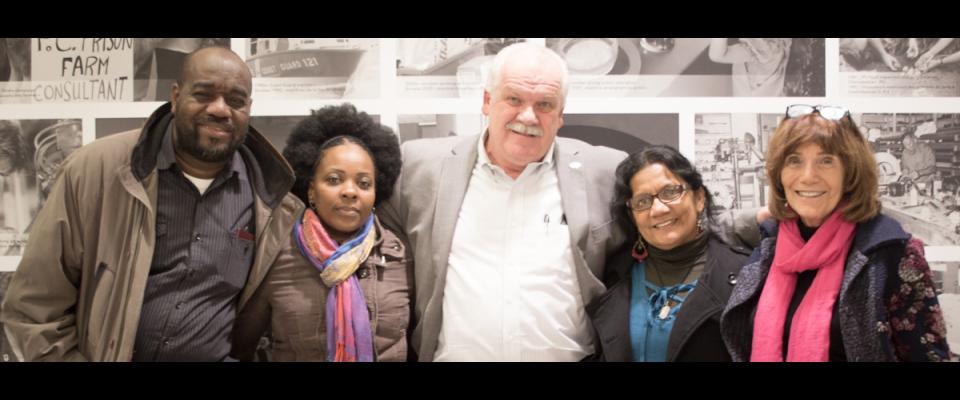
[{"x": 696, "y": 331}]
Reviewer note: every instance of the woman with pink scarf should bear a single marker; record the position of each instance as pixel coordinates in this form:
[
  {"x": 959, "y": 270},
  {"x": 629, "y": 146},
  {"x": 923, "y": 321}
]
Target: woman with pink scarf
[
  {"x": 833, "y": 279},
  {"x": 343, "y": 293}
]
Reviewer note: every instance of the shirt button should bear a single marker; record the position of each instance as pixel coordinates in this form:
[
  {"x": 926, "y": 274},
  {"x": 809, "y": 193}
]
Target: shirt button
[
  {"x": 166, "y": 342},
  {"x": 364, "y": 272},
  {"x": 179, "y": 306}
]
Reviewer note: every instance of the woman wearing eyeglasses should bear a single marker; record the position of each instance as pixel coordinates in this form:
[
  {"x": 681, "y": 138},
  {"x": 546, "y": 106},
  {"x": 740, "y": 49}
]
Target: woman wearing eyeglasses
[
  {"x": 666, "y": 302},
  {"x": 833, "y": 279}
]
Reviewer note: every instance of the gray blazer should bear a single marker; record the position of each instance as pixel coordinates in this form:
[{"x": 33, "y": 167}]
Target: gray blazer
[{"x": 424, "y": 208}]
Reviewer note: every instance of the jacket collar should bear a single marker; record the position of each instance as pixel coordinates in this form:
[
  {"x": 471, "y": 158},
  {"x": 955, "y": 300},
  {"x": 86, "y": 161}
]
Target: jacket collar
[
  {"x": 871, "y": 234},
  {"x": 270, "y": 173}
]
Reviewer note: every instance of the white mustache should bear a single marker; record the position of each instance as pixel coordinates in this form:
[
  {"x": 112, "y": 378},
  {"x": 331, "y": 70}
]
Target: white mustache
[{"x": 524, "y": 129}]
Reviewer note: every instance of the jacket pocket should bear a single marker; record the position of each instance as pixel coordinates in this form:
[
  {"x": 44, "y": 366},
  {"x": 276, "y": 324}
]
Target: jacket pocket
[{"x": 393, "y": 253}]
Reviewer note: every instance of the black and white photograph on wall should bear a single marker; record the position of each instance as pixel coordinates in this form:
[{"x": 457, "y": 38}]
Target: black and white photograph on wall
[
  {"x": 277, "y": 128},
  {"x": 14, "y": 59},
  {"x": 627, "y": 132},
  {"x": 692, "y": 67},
  {"x": 31, "y": 152},
  {"x": 66, "y": 70},
  {"x": 908, "y": 67},
  {"x": 729, "y": 153},
  {"x": 109, "y": 126},
  {"x": 302, "y": 68},
  {"x": 918, "y": 158},
  {"x": 6, "y": 352},
  {"x": 157, "y": 63},
  {"x": 446, "y": 67},
  {"x": 14, "y": 69},
  {"x": 421, "y": 126},
  {"x": 948, "y": 294}
]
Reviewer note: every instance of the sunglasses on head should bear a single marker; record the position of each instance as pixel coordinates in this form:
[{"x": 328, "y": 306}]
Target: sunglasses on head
[{"x": 834, "y": 113}]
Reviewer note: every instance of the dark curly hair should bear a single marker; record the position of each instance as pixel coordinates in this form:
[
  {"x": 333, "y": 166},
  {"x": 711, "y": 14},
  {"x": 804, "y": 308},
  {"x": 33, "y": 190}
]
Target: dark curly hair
[
  {"x": 331, "y": 126},
  {"x": 659, "y": 154}
]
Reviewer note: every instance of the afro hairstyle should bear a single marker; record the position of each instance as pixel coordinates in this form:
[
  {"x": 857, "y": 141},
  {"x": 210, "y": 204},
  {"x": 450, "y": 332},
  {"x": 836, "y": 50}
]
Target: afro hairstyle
[{"x": 305, "y": 146}]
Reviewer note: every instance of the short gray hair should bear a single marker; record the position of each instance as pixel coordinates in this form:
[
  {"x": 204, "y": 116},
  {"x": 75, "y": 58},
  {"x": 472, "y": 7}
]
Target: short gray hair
[{"x": 529, "y": 50}]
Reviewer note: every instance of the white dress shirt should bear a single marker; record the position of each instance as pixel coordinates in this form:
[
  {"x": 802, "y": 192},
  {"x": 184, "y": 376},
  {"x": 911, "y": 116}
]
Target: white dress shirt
[{"x": 511, "y": 291}]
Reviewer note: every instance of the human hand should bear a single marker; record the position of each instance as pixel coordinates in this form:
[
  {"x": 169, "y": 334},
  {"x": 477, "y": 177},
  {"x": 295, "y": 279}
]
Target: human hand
[
  {"x": 763, "y": 214},
  {"x": 913, "y": 48},
  {"x": 925, "y": 58},
  {"x": 929, "y": 64},
  {"x": 891, "y": 62}
]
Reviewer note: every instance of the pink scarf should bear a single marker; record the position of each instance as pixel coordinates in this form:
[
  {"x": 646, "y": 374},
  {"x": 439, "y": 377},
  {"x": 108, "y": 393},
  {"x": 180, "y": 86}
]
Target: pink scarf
[{"x": 810, "y": 330}]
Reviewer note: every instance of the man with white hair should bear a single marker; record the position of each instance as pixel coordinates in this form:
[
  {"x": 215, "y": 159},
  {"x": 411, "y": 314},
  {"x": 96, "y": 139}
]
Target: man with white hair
[{"x": 510, "y": 229}]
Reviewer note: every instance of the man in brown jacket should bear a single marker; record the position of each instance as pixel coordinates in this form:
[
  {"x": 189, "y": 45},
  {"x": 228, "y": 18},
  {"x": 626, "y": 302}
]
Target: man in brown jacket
[{"x": 151, "y": 241}]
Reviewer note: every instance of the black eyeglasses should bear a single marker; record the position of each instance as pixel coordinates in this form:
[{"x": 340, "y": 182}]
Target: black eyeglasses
[
  {"x": 668, "y": 194},
  {"x": 834, "y": 113}
]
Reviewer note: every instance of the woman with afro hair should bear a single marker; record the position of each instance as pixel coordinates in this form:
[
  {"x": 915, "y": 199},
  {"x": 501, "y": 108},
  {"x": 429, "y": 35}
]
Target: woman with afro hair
[{"x": 343, "y": 293}]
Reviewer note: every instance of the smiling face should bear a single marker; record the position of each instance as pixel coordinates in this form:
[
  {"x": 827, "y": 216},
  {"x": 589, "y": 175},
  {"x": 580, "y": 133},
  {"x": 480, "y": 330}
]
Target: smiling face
[
  {"x": 343, "y": 190},
  {"x": 666, "y": 225},
  {"x": 525, "y": 111},
  {"x": 812, "y": 182},
  {"x": 211, "y": 105}
]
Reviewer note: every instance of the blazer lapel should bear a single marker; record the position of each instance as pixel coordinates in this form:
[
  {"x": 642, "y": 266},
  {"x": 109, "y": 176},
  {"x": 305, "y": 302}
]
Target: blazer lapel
[
  {"x": 573, "y": 193},
  {"x": 455, "y": 173}
]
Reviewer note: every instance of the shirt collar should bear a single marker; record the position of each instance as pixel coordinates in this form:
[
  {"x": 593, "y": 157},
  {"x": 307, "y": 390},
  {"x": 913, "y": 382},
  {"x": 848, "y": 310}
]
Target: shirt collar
[{"x": 484, "y": 159}]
